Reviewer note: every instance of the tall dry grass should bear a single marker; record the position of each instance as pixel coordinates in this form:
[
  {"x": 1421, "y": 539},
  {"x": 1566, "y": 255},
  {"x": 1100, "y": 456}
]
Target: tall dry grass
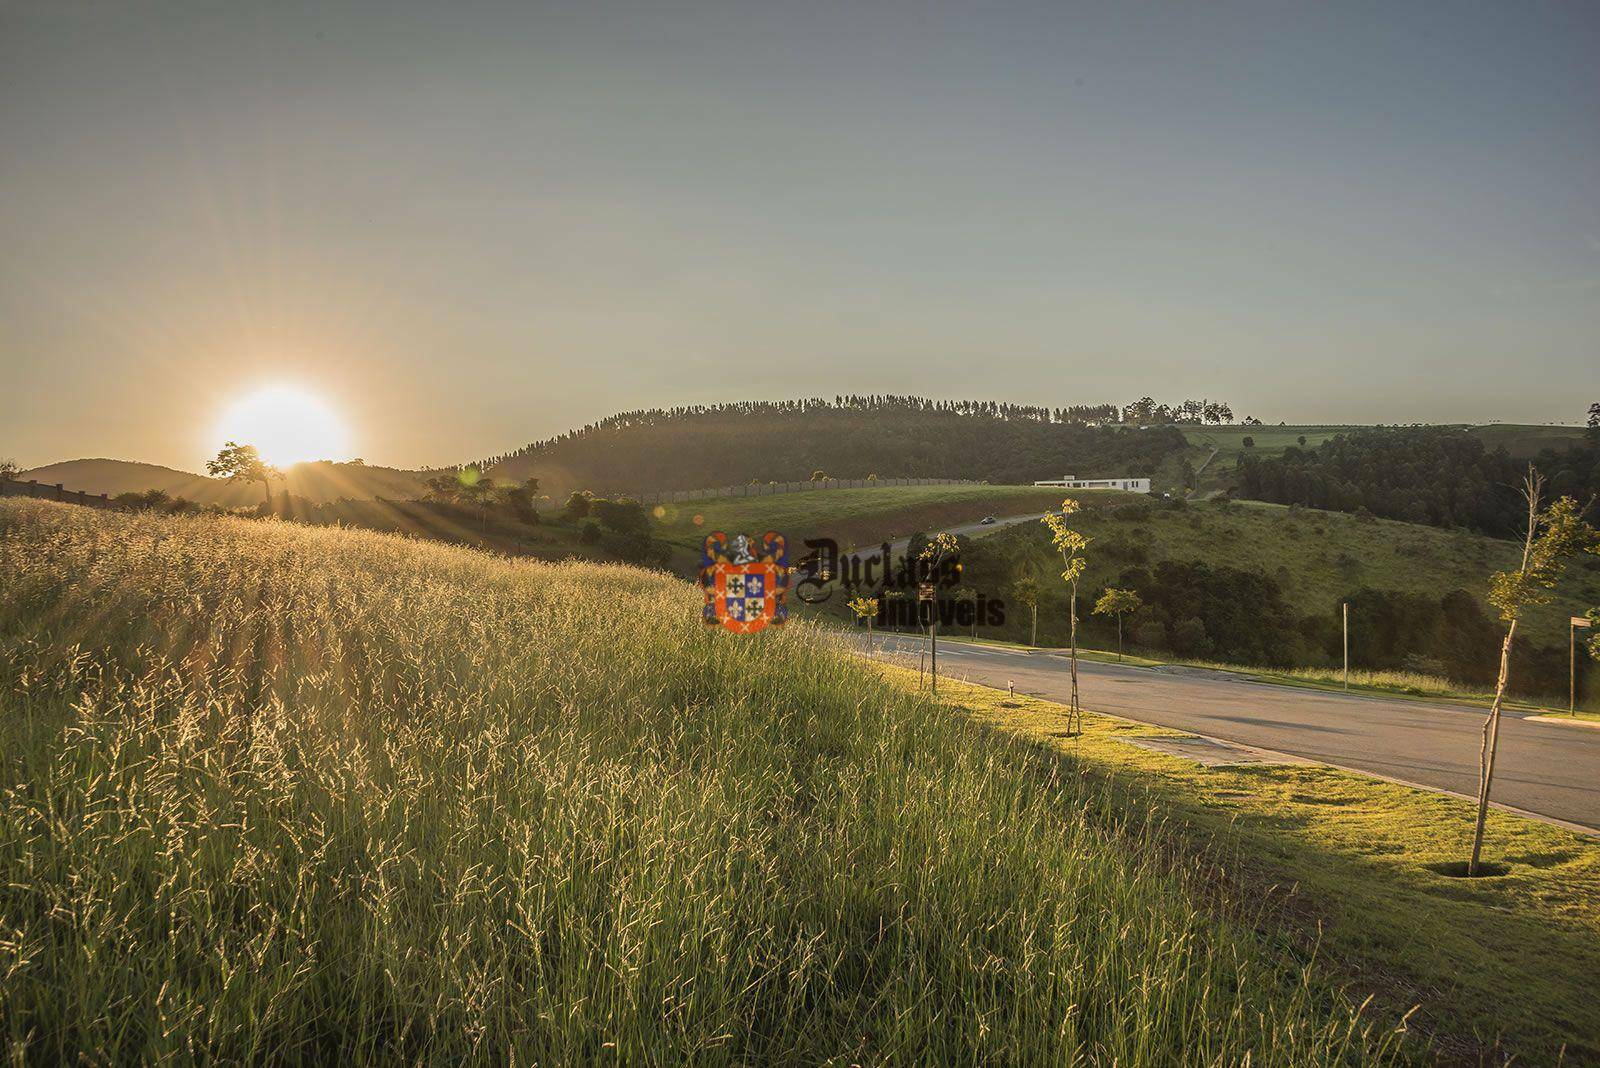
[{"x": 274, "y": 793}]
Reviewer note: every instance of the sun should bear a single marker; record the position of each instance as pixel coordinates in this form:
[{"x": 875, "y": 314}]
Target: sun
[{"x": 287, "y": 424}]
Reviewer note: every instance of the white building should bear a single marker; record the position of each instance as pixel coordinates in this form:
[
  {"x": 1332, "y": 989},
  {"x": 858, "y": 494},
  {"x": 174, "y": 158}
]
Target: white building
[{"x": 1132, "y": 485}]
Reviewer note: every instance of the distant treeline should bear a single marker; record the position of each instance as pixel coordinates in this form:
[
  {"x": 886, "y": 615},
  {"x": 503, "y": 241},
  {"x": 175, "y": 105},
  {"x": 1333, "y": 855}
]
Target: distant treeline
[
  {"x": 849, "y": 437},
  {"x": 1442, "y": 476}
]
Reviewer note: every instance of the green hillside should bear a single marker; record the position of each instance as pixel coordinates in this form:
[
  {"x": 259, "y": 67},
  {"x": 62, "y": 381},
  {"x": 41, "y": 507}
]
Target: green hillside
[
  {"x": 1523, "y": 441},
  {"x": 1214, "y": 450},
  {"x": 850, "y": 517},
  {"x": 272, "y": 793},
  {"x": 849, "y": 437},
  {"x": 1316, "y": 557}
]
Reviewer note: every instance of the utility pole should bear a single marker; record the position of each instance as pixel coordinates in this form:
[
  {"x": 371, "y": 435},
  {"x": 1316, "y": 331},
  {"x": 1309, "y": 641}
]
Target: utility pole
[{"x": 1346, "y": 611}]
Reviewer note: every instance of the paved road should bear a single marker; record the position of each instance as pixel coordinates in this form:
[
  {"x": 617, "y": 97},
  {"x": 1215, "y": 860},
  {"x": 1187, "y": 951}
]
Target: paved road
[
  {"x": 970, "y": 530},
  {"x": 1548, "y": 769}
]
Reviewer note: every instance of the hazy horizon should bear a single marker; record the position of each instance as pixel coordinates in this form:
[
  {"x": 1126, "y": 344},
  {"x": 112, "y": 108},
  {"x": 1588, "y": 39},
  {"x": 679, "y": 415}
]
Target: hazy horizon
[{"x": 466, "y": 229}]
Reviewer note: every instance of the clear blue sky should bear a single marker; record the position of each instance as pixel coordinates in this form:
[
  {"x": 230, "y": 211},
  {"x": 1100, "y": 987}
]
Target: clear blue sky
[{"x": 469, "y": 226}]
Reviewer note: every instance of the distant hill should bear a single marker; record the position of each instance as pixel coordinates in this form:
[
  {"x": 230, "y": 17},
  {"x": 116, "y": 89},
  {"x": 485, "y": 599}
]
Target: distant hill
[
  {"x": 852, "y": 437},
  {"x": 318, "y": 482}
]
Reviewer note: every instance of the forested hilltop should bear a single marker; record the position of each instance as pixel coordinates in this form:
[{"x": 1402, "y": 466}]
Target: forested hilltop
[
  {"x": 848, "y": 437},
  {"x": 1442, "y": 476}
]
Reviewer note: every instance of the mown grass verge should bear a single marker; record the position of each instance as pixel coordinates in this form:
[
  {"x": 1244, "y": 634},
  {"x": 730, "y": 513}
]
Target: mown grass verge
[
  {"x": 1499, "y": 967},
  {"x": 272, "y": 793}
]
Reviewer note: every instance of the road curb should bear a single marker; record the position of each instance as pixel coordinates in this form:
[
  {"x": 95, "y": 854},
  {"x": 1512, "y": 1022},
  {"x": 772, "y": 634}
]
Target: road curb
[{"x": 1563, "y": 721}]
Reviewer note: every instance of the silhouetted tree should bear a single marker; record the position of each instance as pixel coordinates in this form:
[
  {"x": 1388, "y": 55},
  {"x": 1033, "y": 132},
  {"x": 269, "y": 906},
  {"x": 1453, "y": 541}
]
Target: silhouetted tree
[
  {"x": 523, "y": 499},
  {"x": 243, "y": 463}
]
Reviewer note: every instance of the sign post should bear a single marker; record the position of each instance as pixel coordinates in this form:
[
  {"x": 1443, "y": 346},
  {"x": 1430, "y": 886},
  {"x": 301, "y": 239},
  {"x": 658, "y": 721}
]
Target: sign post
[
  {"x": 1345, "y": 607},
  {"x": 1572, "y": 662}
]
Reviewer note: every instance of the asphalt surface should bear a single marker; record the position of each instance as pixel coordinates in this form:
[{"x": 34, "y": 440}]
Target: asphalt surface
[
  {"x": 1547, "y": 769},
  {"x": 971, "y": 530}
]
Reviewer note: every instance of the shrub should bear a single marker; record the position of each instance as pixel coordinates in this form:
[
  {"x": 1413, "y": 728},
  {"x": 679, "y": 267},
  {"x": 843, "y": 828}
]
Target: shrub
[
  {"x": 1150, "y": 634},
  {"x": 635, "y": 547},
  {"x": 621, "y": 516},
  {"x": 1189, "y": 638}
]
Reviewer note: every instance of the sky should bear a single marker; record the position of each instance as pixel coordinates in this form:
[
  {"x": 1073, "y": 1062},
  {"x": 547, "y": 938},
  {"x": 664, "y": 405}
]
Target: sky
[{"x": 469, "y": 226}]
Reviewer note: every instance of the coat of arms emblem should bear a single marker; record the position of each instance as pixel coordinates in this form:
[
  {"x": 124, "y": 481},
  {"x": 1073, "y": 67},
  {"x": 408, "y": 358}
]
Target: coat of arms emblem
[{"x": 744, "y": 584}]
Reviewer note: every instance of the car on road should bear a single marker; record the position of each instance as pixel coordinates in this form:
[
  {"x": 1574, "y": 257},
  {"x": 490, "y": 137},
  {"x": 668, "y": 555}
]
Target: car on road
[{"x": 986, "y": 520}]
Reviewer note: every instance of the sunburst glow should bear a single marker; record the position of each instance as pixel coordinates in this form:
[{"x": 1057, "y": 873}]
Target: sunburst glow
[{"x": 287, "y": 424}]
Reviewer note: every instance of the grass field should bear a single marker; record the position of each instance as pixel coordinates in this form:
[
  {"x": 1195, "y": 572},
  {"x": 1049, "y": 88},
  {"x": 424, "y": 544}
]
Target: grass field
[
  {"x": 1218, "y": 448},
  {"x": 278, "y": 793},
  {"x": 456, "y": 525},
  {"x": 1525, "y": 441},
  {"x": 1498, "y": 966}
]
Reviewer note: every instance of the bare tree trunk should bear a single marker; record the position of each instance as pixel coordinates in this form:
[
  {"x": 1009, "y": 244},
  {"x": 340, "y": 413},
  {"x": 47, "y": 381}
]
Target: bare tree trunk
[
  {"x": 1075, "y": 714},
  {"x": 1034, "y": 639},
  {"x": 1119, "y": 637},
  {"x": 1491, "y": 743},
  {"x": 1491, "y": 724}
]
